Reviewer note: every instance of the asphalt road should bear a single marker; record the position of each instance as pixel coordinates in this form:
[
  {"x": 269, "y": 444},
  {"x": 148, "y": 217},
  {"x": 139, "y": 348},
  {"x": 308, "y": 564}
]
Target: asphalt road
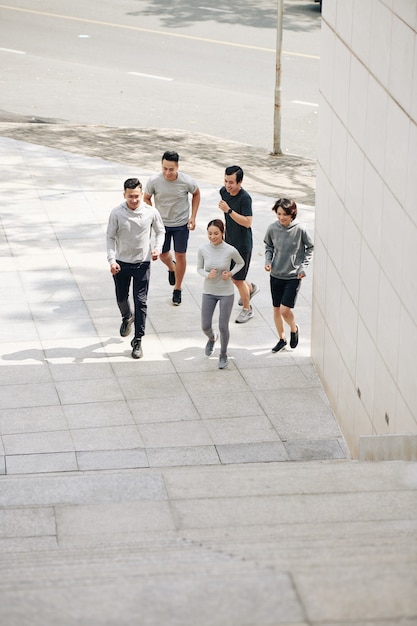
[{"x": 158, "y": 64}]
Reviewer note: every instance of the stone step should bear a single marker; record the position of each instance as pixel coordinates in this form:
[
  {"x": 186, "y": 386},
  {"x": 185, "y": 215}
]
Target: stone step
[
  {"x": 307, "y": 543},
  {"x": 169, "y": 557}
]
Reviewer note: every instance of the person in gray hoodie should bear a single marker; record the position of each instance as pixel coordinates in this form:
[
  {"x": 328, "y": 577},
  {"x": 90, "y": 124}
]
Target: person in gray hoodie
[{"x": 288, "y": 251}]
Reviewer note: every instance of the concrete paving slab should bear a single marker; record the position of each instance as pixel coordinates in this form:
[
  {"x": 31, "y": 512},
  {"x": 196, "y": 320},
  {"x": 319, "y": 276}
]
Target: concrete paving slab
[
  {"x": 112, "y": 459},
  {"x": 301, "y": 425},
  {"x": 183, "y": 456},
  {"x": 97, "y": 414},
  {"x": 167, "y": 434},
  {"x": 234, "y": 404},
  {"x": 237, "y": 430},
  {"x": 107, "y": 438},
  {"x": 319, "y": 449},
  {"x": 165, "y": 409},
  {"x": 23, "y": 375},
  {"x": 261, "y": 452},
  {"x": 41, "y": 463},
  {"x": 38, "y": 442},
  {"x": 25, "y": 395},
  {"x": 91, "y": 390}
]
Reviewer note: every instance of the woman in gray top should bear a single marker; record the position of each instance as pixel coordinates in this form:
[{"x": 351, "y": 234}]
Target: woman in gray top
[
  {"x": 288, "y": 251},
  {"x": 213, "y": 263}
]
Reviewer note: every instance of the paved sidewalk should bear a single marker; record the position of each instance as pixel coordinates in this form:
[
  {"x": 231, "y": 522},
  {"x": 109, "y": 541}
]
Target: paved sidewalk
[
  {"x": 165, "y": 491},
  {"x": 72, "y": 397}
]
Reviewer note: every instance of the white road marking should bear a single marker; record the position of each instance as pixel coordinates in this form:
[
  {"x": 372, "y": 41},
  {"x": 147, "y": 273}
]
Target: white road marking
[
  {"x": 150, "y": 76},
  {"x": 309, "y": 104},
  {"x": 13, "y": 51},
  {"x": 217, "y": 10}
]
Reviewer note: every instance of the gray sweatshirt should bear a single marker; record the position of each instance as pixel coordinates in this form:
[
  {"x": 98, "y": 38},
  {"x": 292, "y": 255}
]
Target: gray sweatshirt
[
  {"x": 129, "y": 233},
  {"x": 211, "y": 257},
  {"x": 287, "y": 249}
]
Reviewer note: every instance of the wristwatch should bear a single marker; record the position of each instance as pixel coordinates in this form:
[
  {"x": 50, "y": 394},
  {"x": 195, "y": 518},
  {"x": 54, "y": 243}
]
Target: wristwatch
[{"x": 229, "y": 211}]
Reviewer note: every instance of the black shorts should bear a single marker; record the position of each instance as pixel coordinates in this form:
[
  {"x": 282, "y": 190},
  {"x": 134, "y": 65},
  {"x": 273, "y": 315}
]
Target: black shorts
[
  {"x": 178, "y": 234},
  {"x": 241, "y": 275},
  {"x": 284, "y": 291}
]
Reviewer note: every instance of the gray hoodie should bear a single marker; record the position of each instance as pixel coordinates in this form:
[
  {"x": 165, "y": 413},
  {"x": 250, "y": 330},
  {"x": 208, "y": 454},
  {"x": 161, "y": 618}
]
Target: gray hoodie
[
  {"x": 129, "y": 233},
  {"x": 288, "y": 249}
]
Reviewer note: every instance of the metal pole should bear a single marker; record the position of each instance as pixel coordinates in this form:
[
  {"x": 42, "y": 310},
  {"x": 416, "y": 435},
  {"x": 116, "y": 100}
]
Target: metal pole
[{"x": 277, "y": 107}]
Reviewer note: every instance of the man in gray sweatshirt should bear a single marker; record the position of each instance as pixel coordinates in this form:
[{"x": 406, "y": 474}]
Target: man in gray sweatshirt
[{"x": 129, "y": 252}]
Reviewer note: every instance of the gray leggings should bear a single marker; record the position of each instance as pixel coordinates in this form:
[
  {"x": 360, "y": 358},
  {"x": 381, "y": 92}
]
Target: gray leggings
[{"x": 208, "y": 305}]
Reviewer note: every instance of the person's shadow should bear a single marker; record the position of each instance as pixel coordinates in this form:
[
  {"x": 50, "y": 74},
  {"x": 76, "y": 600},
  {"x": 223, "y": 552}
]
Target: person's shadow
[{"x": 77, "y": 354}]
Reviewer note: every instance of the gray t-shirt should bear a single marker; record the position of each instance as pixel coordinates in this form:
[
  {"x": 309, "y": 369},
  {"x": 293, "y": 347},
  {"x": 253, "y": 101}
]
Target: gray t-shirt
[{"x": 171, "y": 197}]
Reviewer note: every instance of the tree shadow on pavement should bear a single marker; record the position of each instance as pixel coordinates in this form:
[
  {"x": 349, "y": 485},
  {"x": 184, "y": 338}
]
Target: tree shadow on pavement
[
  {"x": 202, "y": 156},
  {"x": 298, "y": 15}
]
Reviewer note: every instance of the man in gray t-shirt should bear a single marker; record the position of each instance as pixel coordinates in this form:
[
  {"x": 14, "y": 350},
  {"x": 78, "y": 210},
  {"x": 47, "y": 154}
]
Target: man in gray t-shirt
[{"x": 171, "y": 190}]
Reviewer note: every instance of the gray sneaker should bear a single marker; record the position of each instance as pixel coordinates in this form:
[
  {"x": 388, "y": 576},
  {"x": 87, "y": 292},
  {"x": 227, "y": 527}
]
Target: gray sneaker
[
  {"x": 223, "y": 362},
  {"x": 210, "y": 345},
  {"x": 253, "y": 291},
  {"x": 244, "y": 316}
]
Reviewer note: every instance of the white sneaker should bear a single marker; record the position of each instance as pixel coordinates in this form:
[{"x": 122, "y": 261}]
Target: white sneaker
[{"x": 244, "y": 316}]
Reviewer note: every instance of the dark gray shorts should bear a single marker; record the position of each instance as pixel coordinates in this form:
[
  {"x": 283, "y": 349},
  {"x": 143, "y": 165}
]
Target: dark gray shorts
[
  {"x": 285, "y": 291},
  {"x": 179, "y": 235},
  {"x": 241, "y": 275}
]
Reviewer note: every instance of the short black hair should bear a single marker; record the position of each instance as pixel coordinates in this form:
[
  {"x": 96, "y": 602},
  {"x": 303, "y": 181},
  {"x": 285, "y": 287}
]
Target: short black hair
[
  {"x": 288, "y": 206},
  {"x": 234, "y": 169},
  {"x": 169, "y": 155},
  {"x": 132, "y": 183}
]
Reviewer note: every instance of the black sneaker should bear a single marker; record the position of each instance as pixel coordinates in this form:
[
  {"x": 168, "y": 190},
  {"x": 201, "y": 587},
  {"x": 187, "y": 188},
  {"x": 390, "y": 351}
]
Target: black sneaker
[
  {"x": 171, "y": 276},
  {"x": 125, "y": 326},
  {"x": 294, "y": 338},
  {"x": 280, "y": 346},
  {"x": 137, "y": 352},
  {"x": 176, "y": 297}
]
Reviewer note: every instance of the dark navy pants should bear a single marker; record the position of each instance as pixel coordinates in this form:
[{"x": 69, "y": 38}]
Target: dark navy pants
[{"x": 140, "y": 272}]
